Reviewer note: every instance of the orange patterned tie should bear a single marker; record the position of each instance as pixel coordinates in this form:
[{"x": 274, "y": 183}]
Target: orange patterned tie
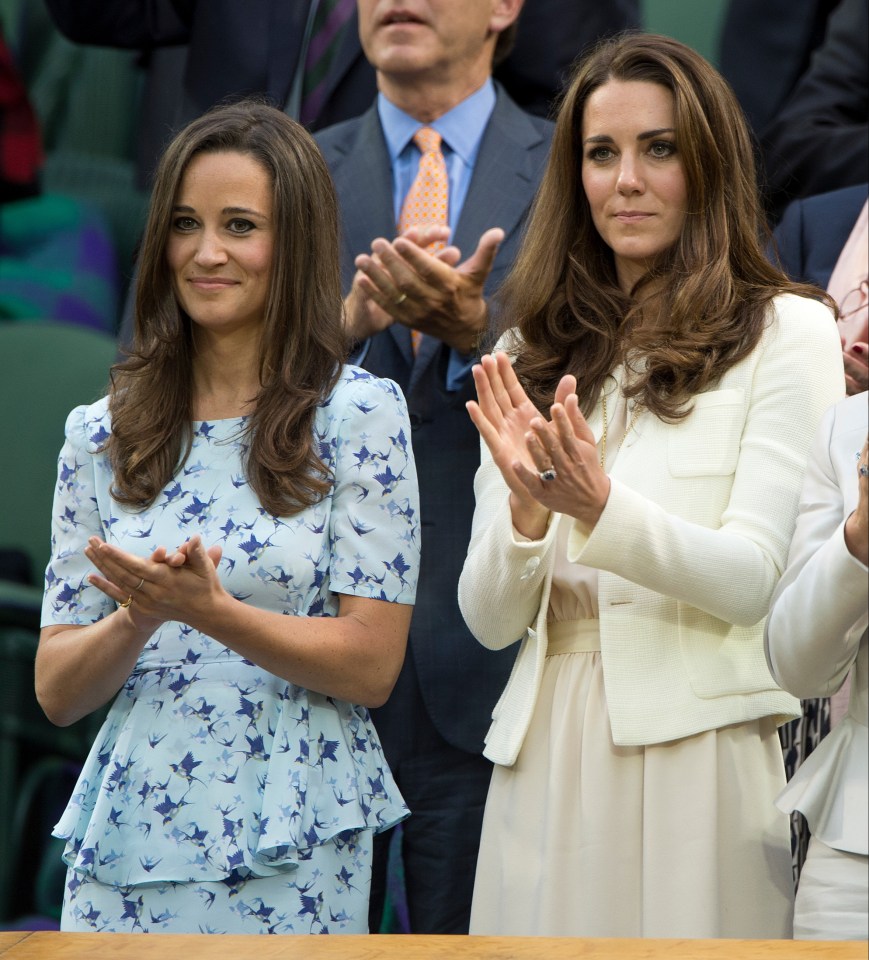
[{"x": 426, "y": 201}]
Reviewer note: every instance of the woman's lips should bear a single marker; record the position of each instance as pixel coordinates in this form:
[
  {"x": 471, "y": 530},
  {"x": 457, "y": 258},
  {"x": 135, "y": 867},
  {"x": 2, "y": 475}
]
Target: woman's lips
[
  {"x": 632, "y": 216},
  {"x": 211, "y": 283}
]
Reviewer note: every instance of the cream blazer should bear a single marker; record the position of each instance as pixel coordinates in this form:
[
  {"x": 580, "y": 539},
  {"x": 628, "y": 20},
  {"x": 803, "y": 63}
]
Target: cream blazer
[
  {"x": 817, "y": 633},
  {"x": 689, "y": 548}
]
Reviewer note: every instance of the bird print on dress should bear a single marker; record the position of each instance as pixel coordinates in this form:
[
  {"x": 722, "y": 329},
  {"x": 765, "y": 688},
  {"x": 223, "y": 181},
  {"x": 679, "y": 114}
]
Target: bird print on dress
[{"x": 209, "y": 772}]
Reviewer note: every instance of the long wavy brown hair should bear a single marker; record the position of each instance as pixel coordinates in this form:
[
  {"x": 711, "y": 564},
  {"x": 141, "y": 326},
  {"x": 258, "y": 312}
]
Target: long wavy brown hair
[
  {"x": 303, "y": 342},
  {"x": 705, "y": 302}
]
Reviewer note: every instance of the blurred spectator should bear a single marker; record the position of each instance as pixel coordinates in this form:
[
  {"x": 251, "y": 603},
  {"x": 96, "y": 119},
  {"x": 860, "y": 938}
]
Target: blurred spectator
[
  {"x": 819, "y": 139},
  {"x": 765, "y": 48},
  {"x": 57, "y": 259},
  {"x": 20, "y": 143},
  {"x": 816, "y": 637},
  {"x": 823, "y": 240}
]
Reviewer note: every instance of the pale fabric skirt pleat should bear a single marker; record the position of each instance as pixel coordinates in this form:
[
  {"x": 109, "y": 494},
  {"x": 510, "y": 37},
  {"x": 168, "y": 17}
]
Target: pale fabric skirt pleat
[
  {"x": 584, "y": 838},
  {"x": 833, "y": 899}
]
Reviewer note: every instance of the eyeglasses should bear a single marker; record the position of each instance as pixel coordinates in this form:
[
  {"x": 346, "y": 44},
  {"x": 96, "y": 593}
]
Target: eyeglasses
[{"x": 854, "y": 300}]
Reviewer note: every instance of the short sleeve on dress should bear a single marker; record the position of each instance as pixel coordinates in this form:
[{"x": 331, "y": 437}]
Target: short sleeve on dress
[
  {"x": 375, "y": 508},
  {"x": 75, "y": 516}
]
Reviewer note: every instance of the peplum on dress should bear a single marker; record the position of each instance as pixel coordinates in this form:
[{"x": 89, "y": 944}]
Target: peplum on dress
[{"x": 218, "y": 797}]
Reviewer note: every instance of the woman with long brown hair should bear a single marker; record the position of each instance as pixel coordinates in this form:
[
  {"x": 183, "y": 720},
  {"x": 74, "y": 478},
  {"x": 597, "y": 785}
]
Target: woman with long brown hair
[
  {"x": 631, "y": 542},
  {"x": 234, "y": 561}
]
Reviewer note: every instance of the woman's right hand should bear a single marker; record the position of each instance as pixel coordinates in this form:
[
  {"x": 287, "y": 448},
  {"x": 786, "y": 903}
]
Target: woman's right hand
[
  {"x": 161, "y": 587},
  {"x": 503, "y": 414}
]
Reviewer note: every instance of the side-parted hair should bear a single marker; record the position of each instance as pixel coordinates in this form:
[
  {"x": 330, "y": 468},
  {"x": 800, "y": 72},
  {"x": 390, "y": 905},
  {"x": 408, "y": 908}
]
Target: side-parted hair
[
  {"x": 709, "y": 302},
  {"x": 303, "y": 341}
]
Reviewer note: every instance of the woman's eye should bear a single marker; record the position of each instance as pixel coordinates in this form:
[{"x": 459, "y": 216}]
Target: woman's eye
[
  {"x": 240, "y": 226},
  {"x": 662, "y": 148},
  {"x": 600, "y": 153},
  {"x": 184, "y": 223}
]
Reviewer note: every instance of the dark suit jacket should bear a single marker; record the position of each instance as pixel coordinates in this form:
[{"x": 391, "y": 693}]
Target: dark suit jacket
[
  {"x": 460, "y": 680},
  {"x": 238, "y": 47},
  {"x": 222, "y": 48},
  {"x": 819, "y": 140},
  {"x": 764, "y": 49},
  {"x": 813, "y": 231}
]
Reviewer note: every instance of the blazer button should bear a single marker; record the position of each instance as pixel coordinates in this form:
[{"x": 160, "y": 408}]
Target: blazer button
[{"x": 531, "y": 565}]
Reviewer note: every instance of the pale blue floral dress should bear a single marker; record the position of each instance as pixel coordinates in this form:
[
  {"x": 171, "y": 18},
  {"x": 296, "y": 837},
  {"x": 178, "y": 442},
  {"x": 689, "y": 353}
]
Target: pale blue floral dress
[{"x": 218, "y": 797}]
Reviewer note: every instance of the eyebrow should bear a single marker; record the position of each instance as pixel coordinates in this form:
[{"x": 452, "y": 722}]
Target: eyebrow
[
  {"x": 645, "y": 135},
  {"x": 226, "y": 211}
]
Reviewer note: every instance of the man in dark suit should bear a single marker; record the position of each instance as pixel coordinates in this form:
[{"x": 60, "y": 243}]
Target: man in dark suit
[
  {"x": 201, "y": 52},
  {"x": 819, "y": 139},
  {"x": 434, "y": 70},
  {"x": 764, "y": 49}
]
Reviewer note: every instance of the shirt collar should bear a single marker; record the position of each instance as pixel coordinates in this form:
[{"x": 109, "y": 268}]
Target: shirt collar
[{"x": 461, "y": 128}]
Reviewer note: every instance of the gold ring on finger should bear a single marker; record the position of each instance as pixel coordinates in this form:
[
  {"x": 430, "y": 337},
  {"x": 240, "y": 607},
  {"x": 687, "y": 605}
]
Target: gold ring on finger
[
  {"x": 399, "y": 300},
  {"x": 139, "y": 584},
  {"x": 127, "y": 602}
]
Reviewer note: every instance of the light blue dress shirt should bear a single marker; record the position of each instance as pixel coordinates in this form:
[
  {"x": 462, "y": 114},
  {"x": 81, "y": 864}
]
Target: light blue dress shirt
[{"x": 461, "y": 130}]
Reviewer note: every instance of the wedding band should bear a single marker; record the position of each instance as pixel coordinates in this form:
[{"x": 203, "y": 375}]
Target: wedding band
[
  {"x": 546, "y": 475},
  {"x": 127, "y": 602},
  {"x": 139, "y": 584},
  {"x": 399, "y": 300}
]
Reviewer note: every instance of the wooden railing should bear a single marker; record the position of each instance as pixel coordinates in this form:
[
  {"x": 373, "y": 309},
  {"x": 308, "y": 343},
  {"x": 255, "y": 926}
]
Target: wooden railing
[{"x": 44, "y": 945}]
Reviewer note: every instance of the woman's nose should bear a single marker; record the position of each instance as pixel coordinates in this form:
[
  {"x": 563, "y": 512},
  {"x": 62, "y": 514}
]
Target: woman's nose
[
  {"x": 210, "y": 250},
  {"x": 629, "y": 180}
]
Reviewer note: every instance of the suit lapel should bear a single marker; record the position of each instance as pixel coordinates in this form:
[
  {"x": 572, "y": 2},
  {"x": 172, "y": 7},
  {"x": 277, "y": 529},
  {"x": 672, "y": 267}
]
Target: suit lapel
[
  {"x": 500, "y": 196},
  {"x": 366, "y": 213}
]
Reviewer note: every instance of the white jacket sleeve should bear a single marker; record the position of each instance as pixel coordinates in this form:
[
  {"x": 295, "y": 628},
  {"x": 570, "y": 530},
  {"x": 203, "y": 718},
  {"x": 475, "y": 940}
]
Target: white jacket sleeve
[
  {"x": 819, "y": 610},
  {"x": 502, "y": 583}
]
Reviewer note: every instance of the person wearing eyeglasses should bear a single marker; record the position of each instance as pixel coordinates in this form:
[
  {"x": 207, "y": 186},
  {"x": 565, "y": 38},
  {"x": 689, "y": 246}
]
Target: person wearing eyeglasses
[{"x": 824, "y": 239}]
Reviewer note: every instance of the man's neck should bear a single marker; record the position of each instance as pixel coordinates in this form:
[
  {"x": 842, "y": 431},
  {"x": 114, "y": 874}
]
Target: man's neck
[{"x": 429, "y": 100}]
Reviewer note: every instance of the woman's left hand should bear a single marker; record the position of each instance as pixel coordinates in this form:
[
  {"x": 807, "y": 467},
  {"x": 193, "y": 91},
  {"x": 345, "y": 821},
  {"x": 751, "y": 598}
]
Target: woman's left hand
[
  {"x": 179, "y": 586},
  {"x": 566, "y": 447}
]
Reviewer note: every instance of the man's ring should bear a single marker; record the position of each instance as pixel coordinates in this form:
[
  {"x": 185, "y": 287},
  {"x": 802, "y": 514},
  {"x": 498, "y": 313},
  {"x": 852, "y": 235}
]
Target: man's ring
[
  {"x": 127, "y": 602},
  {"x": 399, "y": 300},
  {"x": 139, "y": 584},
  {"x": 548, "y": 474}
]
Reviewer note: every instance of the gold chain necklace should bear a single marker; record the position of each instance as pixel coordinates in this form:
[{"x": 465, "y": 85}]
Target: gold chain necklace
[{"x": 603, "y": 435}]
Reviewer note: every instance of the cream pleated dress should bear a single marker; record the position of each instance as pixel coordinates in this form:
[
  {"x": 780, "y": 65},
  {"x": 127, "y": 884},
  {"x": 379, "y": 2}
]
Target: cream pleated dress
[{"x": 585, "y": 838}]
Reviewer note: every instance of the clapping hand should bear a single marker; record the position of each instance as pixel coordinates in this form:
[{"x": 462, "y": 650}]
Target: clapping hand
[
  {"x": 548, "y": 466},
  {"x": 402, "y": 282},
  {"x": 164, "y": 586}
]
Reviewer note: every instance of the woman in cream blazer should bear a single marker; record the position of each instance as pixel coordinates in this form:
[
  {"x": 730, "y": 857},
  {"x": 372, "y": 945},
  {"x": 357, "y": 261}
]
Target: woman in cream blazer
[
  {"x": 629, "y": 546},
  {"x": 816, "y": 636},
  {"x": 689, "y": 548}
]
